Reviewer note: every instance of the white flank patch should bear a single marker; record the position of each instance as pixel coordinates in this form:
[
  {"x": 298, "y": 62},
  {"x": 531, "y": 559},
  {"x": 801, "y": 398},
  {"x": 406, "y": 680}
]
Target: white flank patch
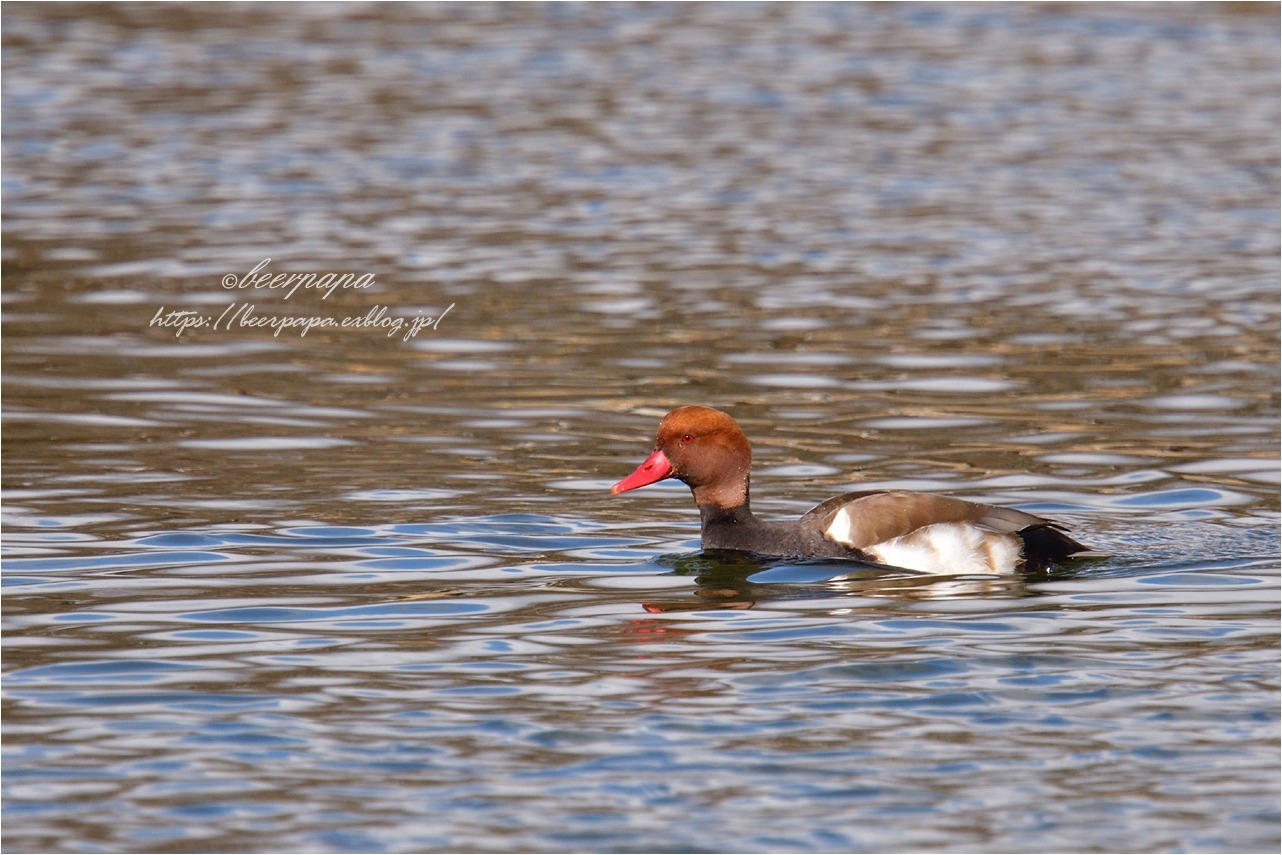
[
  {"x": 839, "y": 528},
  {"x": 948, "y": 548}
]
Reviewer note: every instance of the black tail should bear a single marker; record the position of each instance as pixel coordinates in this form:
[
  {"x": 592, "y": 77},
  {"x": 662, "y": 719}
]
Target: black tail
[{"x": 1046, "y": 544}]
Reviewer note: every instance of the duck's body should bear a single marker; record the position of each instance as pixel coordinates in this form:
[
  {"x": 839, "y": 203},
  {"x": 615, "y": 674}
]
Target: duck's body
[{"x": 708, "y": 451}]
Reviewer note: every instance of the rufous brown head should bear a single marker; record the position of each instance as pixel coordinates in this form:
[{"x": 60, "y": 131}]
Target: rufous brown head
[{"x": 702, "y": 447}]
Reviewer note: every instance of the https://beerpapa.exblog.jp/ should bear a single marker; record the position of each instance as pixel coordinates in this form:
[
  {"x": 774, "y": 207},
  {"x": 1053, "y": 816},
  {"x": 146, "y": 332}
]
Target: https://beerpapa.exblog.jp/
[{"x": 242, "y": 315}]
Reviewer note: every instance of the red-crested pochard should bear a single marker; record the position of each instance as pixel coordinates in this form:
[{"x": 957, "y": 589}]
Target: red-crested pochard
[{"x": 706, "y": 449}]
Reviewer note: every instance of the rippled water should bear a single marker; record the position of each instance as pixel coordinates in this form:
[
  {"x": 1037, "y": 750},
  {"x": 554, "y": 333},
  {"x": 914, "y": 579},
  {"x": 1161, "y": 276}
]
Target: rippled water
[{"x": 352, "y": 591}]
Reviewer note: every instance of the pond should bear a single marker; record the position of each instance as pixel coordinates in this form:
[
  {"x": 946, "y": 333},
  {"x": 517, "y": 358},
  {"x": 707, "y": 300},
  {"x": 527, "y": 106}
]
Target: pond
[{"x": 333, "y": 565}]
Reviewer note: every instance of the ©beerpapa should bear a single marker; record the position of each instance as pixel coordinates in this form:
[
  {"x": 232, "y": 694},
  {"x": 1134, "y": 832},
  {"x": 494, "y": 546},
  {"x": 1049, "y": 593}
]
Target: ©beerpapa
[
  {"x": 183, "y": 320},
  {"x": 327, "y": 282}
]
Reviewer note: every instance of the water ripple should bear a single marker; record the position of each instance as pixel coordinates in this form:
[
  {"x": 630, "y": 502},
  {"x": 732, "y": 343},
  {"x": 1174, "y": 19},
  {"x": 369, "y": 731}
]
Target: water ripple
[{"x": 353, "y": 591}]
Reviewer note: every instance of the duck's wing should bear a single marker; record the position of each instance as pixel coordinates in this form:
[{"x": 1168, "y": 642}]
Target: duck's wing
[
  {"x": 923, "y": 531},
  {"x": 866, "y": 518}
]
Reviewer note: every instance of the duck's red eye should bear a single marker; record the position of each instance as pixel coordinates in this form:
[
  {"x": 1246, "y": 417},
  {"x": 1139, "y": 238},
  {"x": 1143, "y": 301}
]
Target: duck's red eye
[{"x": 688, "y": 438}]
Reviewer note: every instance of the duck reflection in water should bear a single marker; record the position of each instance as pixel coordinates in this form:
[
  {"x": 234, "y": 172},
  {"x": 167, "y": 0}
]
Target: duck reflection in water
[{"x": 730, "y": 579}]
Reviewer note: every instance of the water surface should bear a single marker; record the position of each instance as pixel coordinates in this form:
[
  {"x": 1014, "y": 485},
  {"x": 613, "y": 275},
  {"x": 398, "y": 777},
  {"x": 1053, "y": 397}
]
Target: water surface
[{"x": 352, "y": 591}]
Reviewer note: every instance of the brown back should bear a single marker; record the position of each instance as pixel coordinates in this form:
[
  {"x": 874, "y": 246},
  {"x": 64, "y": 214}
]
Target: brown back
[{"x": 877, "y": 516}]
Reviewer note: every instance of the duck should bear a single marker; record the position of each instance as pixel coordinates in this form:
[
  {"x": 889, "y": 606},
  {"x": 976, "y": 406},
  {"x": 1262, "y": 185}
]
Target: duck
[{"x": 923, "y": 532}]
